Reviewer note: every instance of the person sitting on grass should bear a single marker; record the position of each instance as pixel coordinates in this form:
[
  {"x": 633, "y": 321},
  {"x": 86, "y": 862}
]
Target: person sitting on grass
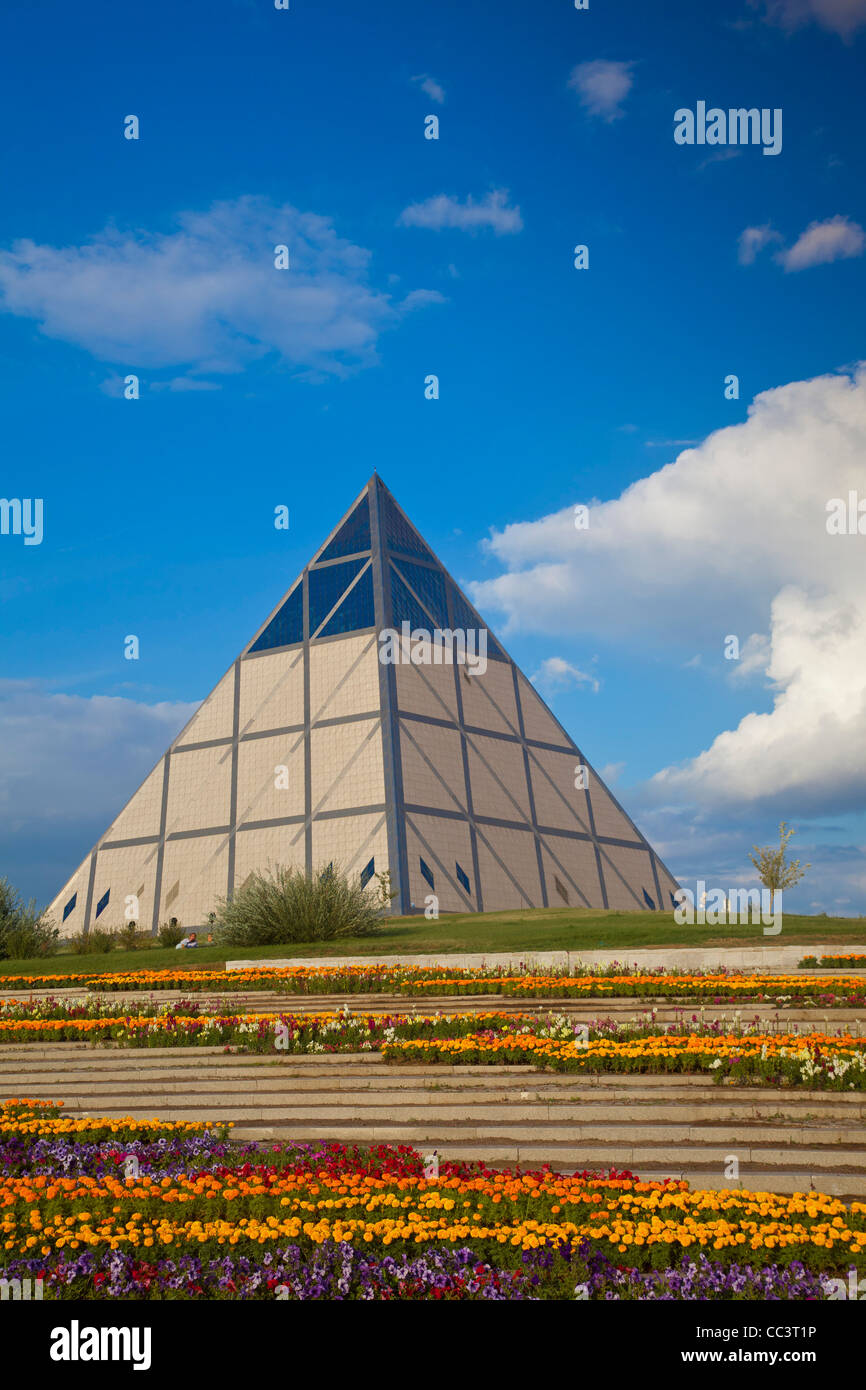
[{"x": 187, "y": 943}]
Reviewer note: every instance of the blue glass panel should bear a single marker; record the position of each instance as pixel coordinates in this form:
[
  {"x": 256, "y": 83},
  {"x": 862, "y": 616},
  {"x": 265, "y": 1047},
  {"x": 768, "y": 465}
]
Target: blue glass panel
[
  {"x": 367, "y": 873},
  {"x": 464, "y": 618},
  {"x": 70, "y": 906},
  {"x": 326, "y": 587},
  {"x": 649, "y": 901},
  {"x": 286, "y": 626},
  {"x": 425, "y": 872},
  {"x": 405, "y": 609},
  {"x": 103, "y": 902},
  {"x": 400, "y": 535},
  {"x": 462, "y": 876},
  {"x": 353, "y": 535},
  {"x": 429, "y": 585},
  {"x": 356, "y": 610}
]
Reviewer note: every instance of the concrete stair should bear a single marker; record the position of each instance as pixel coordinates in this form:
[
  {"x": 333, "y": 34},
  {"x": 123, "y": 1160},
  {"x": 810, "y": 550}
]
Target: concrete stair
[{"x": 657, "y": 1126}]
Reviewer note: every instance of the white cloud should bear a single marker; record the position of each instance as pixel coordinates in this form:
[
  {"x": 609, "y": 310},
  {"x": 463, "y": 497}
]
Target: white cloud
[
  {"x": 555, "y": 673},
  {"x": 185, "y": 383},
  {"x": 444, "y": 211},
  {"x": 68, "y": 765},
  {"x": 730, "y": 537},
  {"x": 434, "y": 90},
  {"x": 206, "y": 296},
  {"x": 68, "y": 755},
  {"x": 754, "y": 658},
  {"x": 602, "y": 87},
  {"x": 753, "y": 240},
  {"x": 842, "y": 17},
  {"x": 715, "y": 846},
  {"x": 419, "y": 299},
  {"x": 835, "y": 239}
]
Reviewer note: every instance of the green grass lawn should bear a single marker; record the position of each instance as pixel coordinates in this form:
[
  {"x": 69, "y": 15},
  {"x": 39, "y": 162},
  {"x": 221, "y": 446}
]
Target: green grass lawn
[{"x": 543, "y": 929}]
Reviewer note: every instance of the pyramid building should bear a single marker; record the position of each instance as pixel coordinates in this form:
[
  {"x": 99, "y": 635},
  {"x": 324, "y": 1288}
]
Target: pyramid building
[{"x": 452, "y": 774}]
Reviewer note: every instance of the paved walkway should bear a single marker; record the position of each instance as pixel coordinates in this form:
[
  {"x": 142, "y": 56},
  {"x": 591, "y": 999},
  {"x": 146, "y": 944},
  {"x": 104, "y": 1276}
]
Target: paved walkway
[{"x": 778, "y": 958}]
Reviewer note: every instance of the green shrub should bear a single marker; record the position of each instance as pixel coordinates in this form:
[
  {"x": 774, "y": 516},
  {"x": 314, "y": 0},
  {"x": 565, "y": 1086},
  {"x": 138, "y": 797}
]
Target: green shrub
[
  {"x": 284, "y": 905},
  {"x": 129, "y": 938},
  {"x": 170, "y": 933},
  {"x": 24, "y": 931},
  {"x": 101, "y": 940},
  {"x": 93, "y": 943}
]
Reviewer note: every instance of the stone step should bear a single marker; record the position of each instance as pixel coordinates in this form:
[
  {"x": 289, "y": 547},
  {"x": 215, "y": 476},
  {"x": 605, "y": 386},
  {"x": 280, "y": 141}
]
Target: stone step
[
  {"x": 572, "y": 1124},
  {"x": 368, "y": 1089},
  {"x": 631, "y": 1149},
  {"x": 479, "y": 1102}
]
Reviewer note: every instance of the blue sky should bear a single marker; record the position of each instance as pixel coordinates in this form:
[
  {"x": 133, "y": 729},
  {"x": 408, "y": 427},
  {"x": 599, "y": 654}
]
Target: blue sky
[{"x": 557, "y": 387}]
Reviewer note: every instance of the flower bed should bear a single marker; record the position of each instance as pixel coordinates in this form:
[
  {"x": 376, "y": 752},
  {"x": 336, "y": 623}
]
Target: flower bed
[
  {"x": 749, "y": 1053},
  {"x": 584, "y": 982},
  {"x": 323, "y": 1221}
]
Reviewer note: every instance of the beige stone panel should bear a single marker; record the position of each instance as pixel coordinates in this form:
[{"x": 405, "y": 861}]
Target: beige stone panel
[
  {"x": 347, "y": 767},
  {"x": 259, "y": 796},
  {"x": 668, "y": 885},
  {"x": 574, "y": 863},
  {"x": 635, "y": 868},
  {"x": 276, "y": 845},
  {"x": 122, "y": 872},
  {"x": 215, "y": 718},
  {"x": 488, "y": 699},
  {"x": 441, "y": 838},
  {"x": 513, "y": 850},
  {"x": 498, "y": 778},
  {"x": 538, "y": 722},
  {"x": 199, "y": 789},
  {"x": 432, "y": 766},
  {"x": 197, "y": 868},
  {"x": 427, "y": 690},
  {"x": 344, "y": 677},
  {"x": 272, "y": 691},
  {"x": 141, "y": 815},
  {"x": 77, "y": 884},
  {"x": 350, "y": 842},
  {"x": 609, "y": 819},
  {"x": 557, "y": 801}
]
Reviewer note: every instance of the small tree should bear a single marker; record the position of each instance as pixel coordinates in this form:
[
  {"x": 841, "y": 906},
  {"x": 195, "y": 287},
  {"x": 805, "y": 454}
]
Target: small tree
[
  {"x": 775, "y": 870},
  {"x": 24, "y": 930},
  {"x": 386, "y": 892}
]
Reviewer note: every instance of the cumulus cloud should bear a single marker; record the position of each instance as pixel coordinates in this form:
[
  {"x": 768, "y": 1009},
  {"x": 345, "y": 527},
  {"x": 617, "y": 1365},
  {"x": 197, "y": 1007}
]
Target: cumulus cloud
[
  {"x": 842, "y": 17},
  {"x": 730, "y": 537},
  {"x": 602, "y": 87},
  {"x": 555, "y": 673},
  {"x": 836, "y": 239},
  {"x": 443, "y": 211},
  {"x": 754, "y": 239},
  {"x": 206, "y": 296},
  {"x": 434, "y": 90},
  {"x": 754, "y": 658}
]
